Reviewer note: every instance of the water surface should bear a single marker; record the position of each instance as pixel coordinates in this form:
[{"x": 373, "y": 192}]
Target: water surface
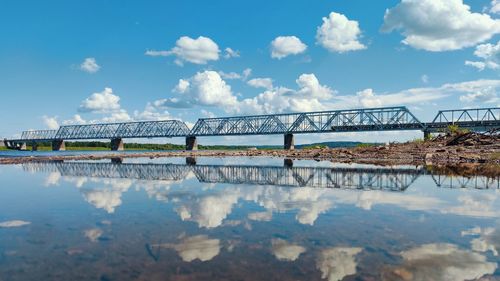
[{"x": 244, "y": 219}]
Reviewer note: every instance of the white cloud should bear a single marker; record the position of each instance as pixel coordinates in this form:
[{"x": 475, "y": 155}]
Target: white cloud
[
  {"x": 50, "y": 122},
  {"x": 495, "y": 7},
  {"x": 230, "y": 53},
  {"x": 286, "y": 251},
  {"x": 439, "y": 25},
  {"x": 490, "y": 55},
  {"x": 76, "y": 120},
  {"x": 103, "y": 102},
  {"x": 90, "y": 65},
  {"x": 486, "y": 95},
  {"x": 339, "y": 34},
  {"x": 119, "y": 116},
  {"x": 443, "y": 262},
  {"x": 205, "y": 88},
  {"x": 266, "y": 83},
  {"x": 198, "y": 51},
  {"x": 234, "y": 75},
  {"x": 311, "y": 88},
  {"x": 152, "y": 113},
  {"x": 283, "y": 46},
  {"x": 14, "y": 223},
  {"x": 425, "y": 78},
  {"x": 337, "y": 263}
]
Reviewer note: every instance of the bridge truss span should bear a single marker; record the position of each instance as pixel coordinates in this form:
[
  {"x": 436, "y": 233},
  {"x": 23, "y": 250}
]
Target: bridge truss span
[{"x": 353, "y": 120}]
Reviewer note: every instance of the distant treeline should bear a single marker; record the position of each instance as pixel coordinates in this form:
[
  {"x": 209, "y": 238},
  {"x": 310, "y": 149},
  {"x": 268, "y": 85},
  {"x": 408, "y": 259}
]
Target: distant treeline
[{"x": 140, "y": 146}]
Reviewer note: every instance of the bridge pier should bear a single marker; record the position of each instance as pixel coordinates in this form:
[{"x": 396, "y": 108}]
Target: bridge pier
[
  {"x": 191, "y": 143},
  {"x": 58, "y": 145},
  {"x": 289, "y": 143},
  {"x": 117, "y": 144},
  {"x": 427, "y": 135},
  {"x": 22, "y": 146},
  {"x": 34, "y": 146}
]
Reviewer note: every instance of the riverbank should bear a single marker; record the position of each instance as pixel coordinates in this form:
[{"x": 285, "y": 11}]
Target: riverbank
[{"x": 452, "y": 150}]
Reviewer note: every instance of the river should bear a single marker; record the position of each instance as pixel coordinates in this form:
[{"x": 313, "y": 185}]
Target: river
[{"x": 244, "y": 219}]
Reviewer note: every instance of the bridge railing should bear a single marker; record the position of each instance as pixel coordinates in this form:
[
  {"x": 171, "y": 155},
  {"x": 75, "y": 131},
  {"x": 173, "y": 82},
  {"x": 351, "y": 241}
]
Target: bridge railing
[
  {"x": 468, "y": 115},
  {"x": 387, "y": 118}
]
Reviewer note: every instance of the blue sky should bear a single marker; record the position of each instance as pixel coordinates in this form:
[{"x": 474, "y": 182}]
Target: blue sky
[{"x": 124, "y": 60}]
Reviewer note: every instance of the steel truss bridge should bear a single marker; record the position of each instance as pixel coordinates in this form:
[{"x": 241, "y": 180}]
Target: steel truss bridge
[
  {"x": 288, "y": 124},
  {"x": 387, "y": 179}
]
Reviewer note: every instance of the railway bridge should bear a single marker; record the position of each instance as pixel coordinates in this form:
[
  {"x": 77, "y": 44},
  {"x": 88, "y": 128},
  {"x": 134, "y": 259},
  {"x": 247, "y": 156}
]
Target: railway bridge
[{"x": 286, "y": 124}]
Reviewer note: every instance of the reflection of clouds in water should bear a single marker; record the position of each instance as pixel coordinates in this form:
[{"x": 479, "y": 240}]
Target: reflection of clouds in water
[
  {"x": 367, "y": 199},
  {"x": 197, "y": 247},
  {"x": 108, "y": 197},
  {"x": 93, "y": 234},
  {"x": 481, "y": 204},
  {"x": 52, "y": 179},
  {"x": 488, "y": 239},
  {"x": 285, "y": 251},
  {"x": 155, "y": 189},
  {"x": 337, "y": 263},
  {"x": 260, "y": 216},
  {"x": 14, "y": 223},
  {"x": 441, "y": 262},
  {"x": 208, "y": 211}
]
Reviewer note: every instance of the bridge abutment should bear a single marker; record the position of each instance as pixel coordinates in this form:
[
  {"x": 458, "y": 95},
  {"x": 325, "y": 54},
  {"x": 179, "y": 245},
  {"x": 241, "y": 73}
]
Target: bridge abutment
[
  {"x": 117, "y": 144},
  {"x": 289, "y": 143},
  {"x": 191, "y": 143},
  {"x": 58, "y": 145}
]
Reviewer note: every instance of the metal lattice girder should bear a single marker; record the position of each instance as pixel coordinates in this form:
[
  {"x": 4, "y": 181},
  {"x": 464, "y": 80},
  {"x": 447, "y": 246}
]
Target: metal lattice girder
[
  {"x": 342, "y": 178},
  {"x": 145, "y": 129},
  {"x": 38, "y": 135},
  {"x": 468, "y": 115},
  {"x": 476, "y": 182},
  {"x": 371, "y": 119}
]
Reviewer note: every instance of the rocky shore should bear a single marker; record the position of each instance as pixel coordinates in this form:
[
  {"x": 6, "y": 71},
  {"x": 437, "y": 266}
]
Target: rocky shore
[{"x": 452, "y": 150}]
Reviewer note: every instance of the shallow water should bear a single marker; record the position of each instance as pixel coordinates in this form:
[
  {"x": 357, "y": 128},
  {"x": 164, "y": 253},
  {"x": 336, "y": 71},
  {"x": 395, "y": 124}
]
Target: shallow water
[{"x": 244, "y": 219}]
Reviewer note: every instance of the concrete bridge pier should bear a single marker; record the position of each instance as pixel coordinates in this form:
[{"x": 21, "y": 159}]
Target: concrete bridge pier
[
  {"x": 22, "y": 146},
  {"x": 191, "y": 143},
  {"x": 58, "y": 145},
  {"x": 289, "y": 143},
  {"x": 117, "y": 144},
  {"x": 427, "y": 135},
  {"x": 34, "y": 146}
]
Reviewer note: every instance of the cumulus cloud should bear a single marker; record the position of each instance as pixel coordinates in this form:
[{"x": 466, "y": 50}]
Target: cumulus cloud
[
  {"x": 90, "y": 65},
  {"x": 339, "y": 34},
  {"x": 206, "y": 88},
  {"x": 77, "y": 119},
  {"x": 444, "y": 262},
  {"x": 489, "y": 55},
  {"x": 337, "y": 263},
  {"x": 266, "y": 83},
  {"x": 495, "y": 7},
  {"x": 283, "y": 46},
  {"x": 101, "y": 102},
  {"x": 286, "y": 251},
  {"x": 439, "y": 25},
  {"x": 311, "y": 88},
  {"x": 50, "y": 122},
  {"x": 198, "y": 51},
  {"x": 261, "y": 216},
  {"x": 425, "y": 78}
]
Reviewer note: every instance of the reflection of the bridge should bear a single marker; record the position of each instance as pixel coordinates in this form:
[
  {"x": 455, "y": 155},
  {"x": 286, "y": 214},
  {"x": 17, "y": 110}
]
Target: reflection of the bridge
[{"x": 363, "y": 178}]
